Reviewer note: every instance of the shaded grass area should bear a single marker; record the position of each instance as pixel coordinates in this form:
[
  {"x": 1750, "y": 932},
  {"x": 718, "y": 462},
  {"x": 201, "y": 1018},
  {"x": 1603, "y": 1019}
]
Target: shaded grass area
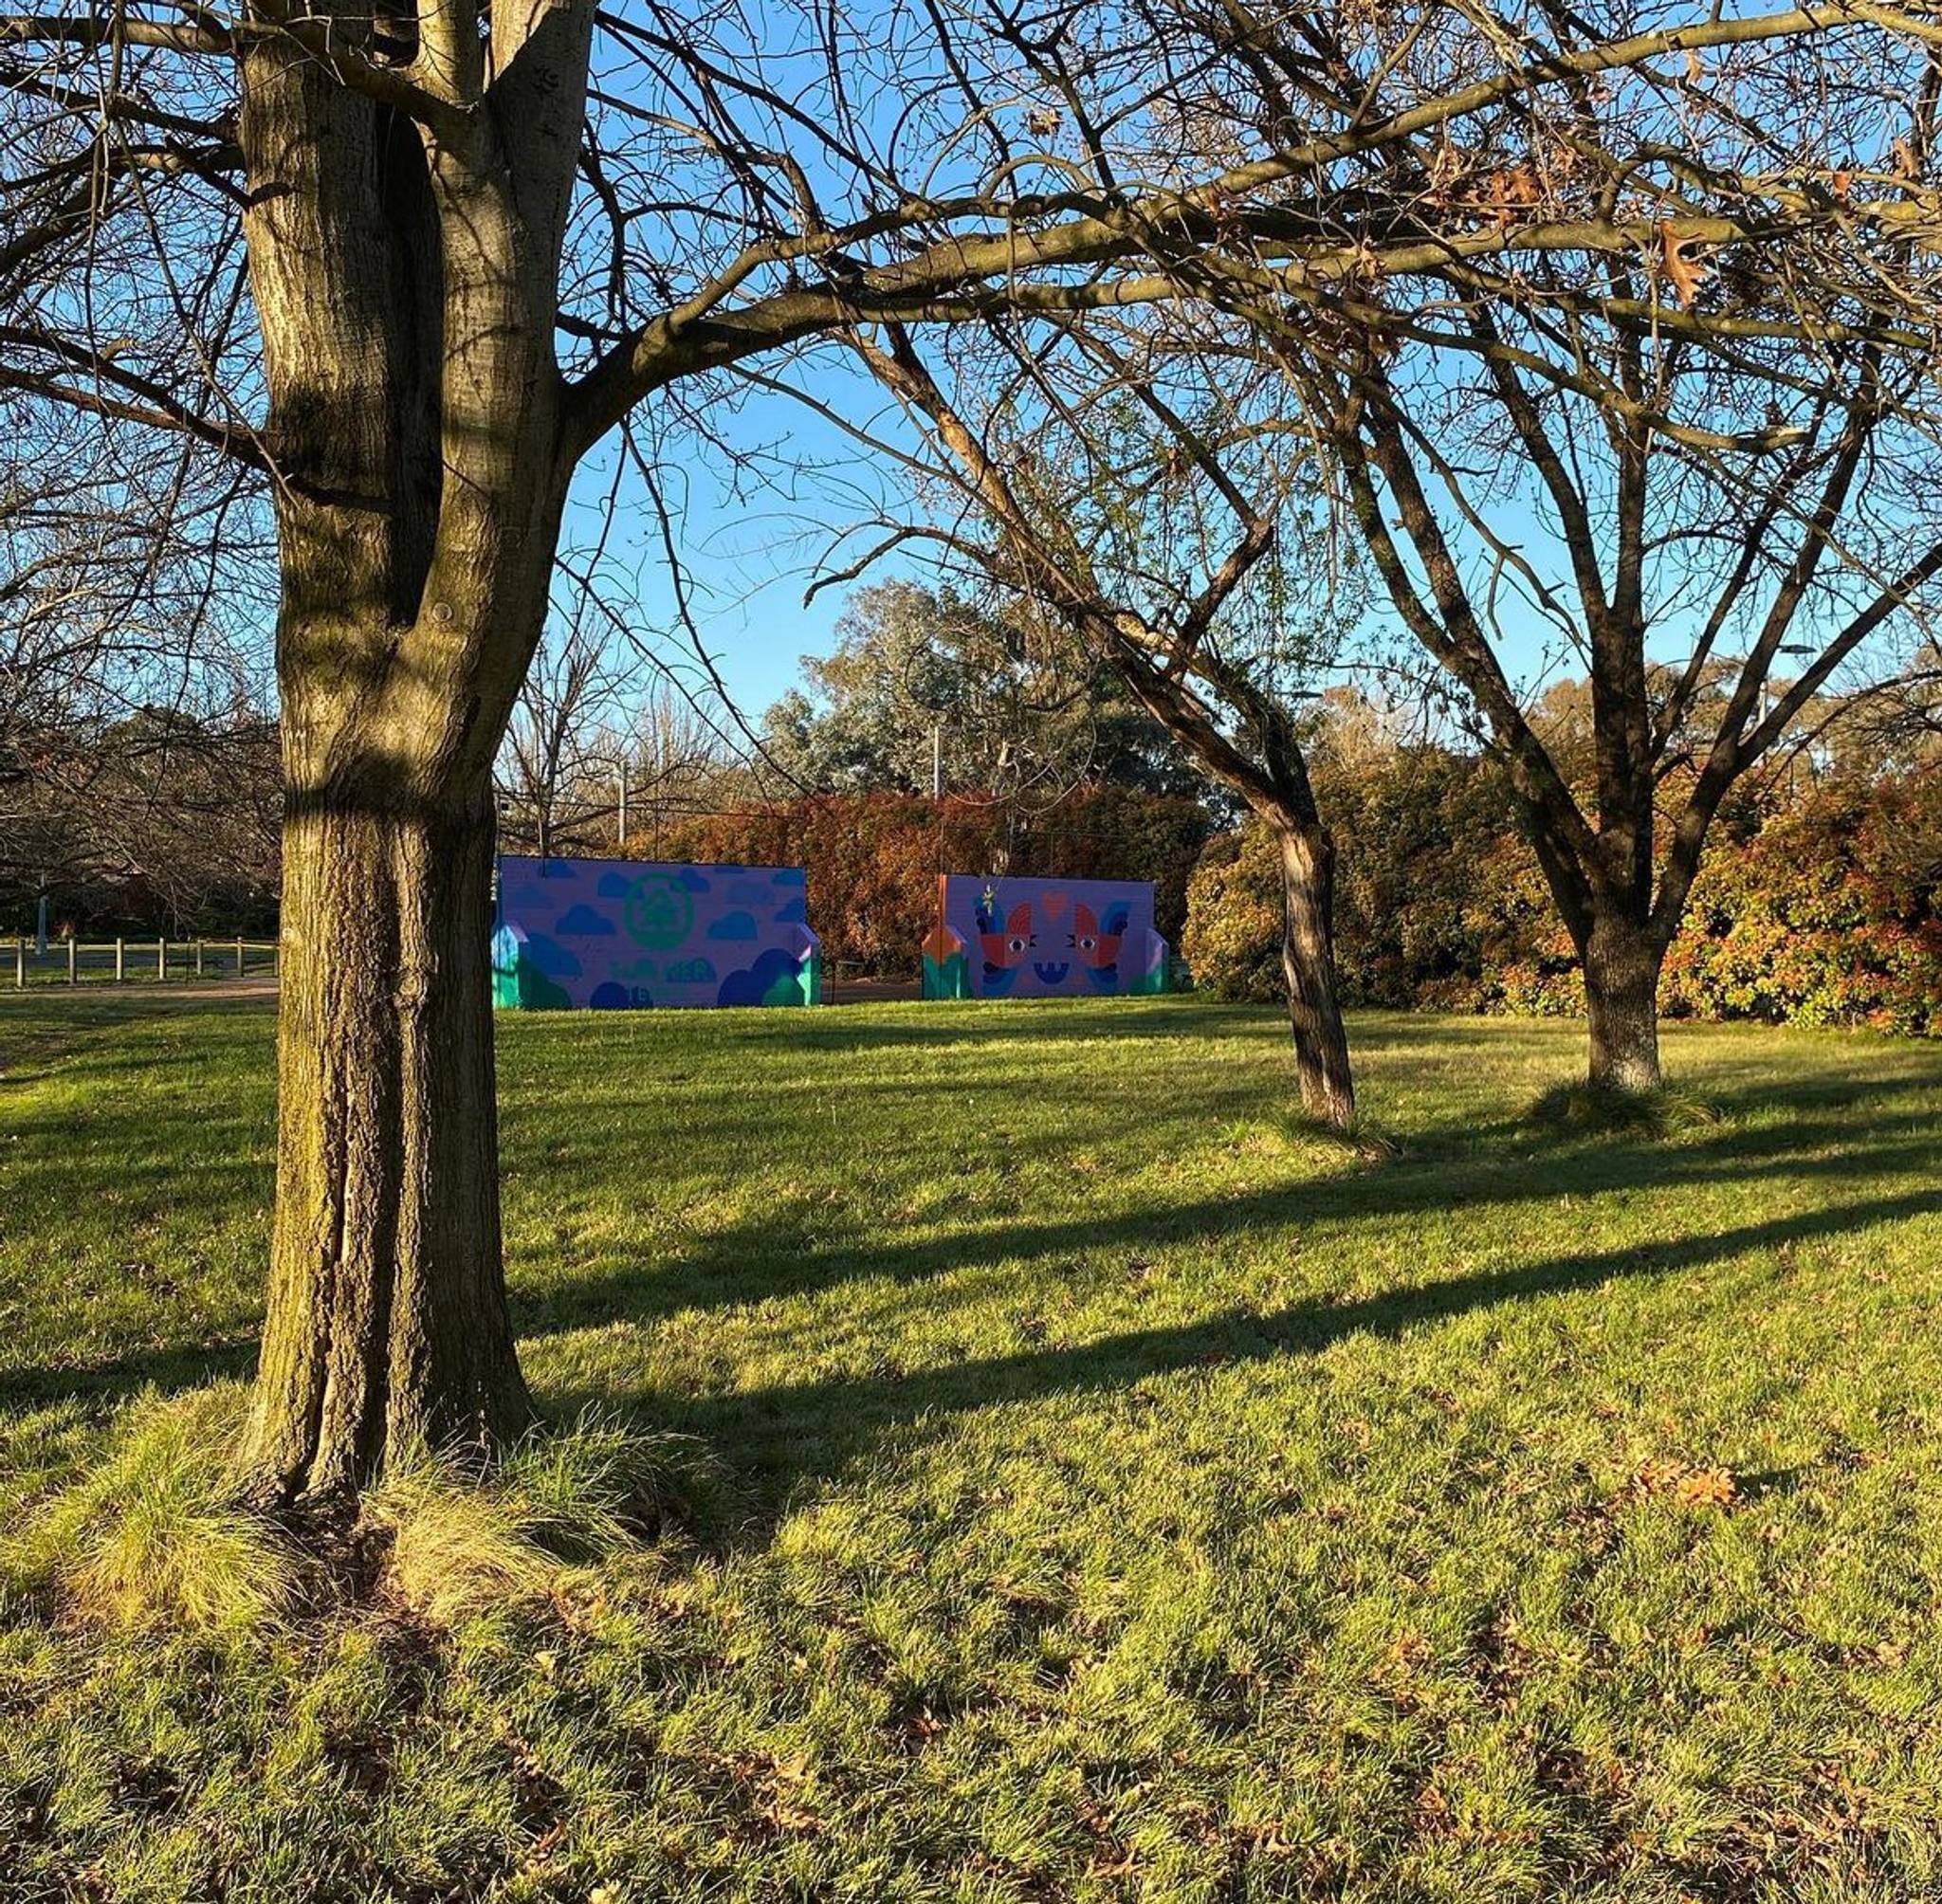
[{"x": 1129, "y": 1493}]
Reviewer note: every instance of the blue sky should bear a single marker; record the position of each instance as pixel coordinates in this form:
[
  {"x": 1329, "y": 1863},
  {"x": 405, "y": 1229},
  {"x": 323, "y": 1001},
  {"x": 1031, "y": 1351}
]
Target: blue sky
[{"x": 751, "y": 544}]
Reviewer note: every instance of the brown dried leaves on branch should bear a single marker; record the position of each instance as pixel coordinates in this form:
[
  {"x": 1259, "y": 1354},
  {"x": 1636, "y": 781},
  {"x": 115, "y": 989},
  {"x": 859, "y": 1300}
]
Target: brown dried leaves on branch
[{"x": 1687, "y": 276}]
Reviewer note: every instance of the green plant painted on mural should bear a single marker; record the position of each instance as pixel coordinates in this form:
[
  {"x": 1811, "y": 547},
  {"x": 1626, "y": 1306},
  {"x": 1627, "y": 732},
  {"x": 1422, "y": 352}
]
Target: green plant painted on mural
[
  {"x": 946, "y": 977},
  {"x": 660, "y": 913},
  {"x": 518, "y": 983}
]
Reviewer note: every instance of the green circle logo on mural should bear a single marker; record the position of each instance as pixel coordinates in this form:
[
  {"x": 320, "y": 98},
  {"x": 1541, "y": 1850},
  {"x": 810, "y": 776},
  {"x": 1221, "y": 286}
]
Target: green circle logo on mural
[{"x": 660, "y": 910}]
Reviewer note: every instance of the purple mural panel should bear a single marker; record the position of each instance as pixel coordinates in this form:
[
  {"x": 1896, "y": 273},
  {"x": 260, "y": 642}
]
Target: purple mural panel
[
  {"x": 626, "y": 934},
  {"x": 1042, "y": 938}
]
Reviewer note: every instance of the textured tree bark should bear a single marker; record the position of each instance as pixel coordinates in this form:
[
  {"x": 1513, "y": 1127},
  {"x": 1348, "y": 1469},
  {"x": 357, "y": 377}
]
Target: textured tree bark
[
  {"x": 388, "y": 1327},
  {"x": 405, "y": 282},
  {"x": 1622, "y": 961},
  {"x": 1307, "y": 958}
]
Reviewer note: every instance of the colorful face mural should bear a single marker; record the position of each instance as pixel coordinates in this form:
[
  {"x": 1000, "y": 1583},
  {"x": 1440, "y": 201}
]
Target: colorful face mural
[
  {"x": 1042, "y": 938},
  {"x": 625, "y": 934}
]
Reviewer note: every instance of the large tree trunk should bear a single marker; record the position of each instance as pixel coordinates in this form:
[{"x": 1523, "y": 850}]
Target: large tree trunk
[
  {"x": 406, "y": 285},
  {"x": 1621, "y": 960},
  {"x": 386, "y": 1327},
  {"x": 1307, "y": 958}
]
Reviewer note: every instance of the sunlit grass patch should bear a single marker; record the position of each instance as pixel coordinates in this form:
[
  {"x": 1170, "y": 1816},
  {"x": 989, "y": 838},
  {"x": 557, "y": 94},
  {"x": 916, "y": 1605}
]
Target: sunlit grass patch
[
  {"x": 1101, "y": 1486},
  {"x": 454, "y": 1544}
]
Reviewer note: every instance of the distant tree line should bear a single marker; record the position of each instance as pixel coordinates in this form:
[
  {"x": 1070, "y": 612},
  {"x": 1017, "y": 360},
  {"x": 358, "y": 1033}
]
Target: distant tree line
[
  {"x": 158, "y": 820},
  {"x": 139, "y": 783},
  {"x": 1823, "y": 907}
]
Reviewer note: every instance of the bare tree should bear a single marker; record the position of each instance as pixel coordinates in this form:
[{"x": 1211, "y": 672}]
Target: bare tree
[
  {"x": 478, "y": 242},
  {"x": 1099, "y": 478},
  {"x": 672, "y": 756},
  {"x": 1715, "y": 521},
  {"x": 131, "y": 639},
  {"x": 554, "y": 737}
]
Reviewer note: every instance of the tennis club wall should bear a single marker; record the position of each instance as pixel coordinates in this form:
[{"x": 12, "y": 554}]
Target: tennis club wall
[
  {"x": 1043, "y": 938},
  {"x": 627, "y": 934}
]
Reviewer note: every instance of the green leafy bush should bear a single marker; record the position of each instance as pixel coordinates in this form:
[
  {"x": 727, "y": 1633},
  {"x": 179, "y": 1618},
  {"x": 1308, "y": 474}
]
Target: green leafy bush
[
  {"x": 1233, "y": 938},
  {"x": 1827, "y": 916},
  {"x": 1820, "y": 908}
]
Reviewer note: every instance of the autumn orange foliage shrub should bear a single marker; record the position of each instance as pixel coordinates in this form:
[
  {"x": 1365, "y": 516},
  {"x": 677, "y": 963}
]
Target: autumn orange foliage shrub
[{"x": 873, "y": 858}]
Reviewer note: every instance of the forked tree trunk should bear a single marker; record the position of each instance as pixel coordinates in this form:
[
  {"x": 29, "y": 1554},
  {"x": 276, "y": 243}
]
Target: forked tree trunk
[
  {"x": 1622, "y": 961},
  {"x": 1308, "y": 959},
  {"x": 406, "y": 287},
  {"x": 387, "y": 1328}
]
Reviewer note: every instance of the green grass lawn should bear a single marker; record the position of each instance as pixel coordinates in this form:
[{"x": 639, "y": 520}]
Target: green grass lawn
[{"x": 1118, "y": 1490}]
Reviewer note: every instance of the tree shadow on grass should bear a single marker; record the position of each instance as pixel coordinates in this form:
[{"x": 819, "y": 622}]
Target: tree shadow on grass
[
  {"x": 1830, "y": 1126},
  {"x": 76, "y": 1038},
  {"x": 169, "y": 1369},
  {"x": 784, "y": 1436},
  {"x": 792, "y": 1434},
  {"x": 791, "y": 1252},
  {"x": 796, "y": 1249}
]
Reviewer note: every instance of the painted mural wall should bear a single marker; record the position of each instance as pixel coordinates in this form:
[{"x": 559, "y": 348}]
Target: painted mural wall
[
  {"x": 1042, "y": 938},
  {"x": 625, "y": 934}
]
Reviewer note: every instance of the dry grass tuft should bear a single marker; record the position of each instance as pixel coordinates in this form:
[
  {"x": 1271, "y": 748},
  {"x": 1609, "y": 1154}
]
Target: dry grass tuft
[
  {"x": 155, "y": 1537},
  {"x": 458, "y": 1546},
  {"x": 1672, "y": 1110}
]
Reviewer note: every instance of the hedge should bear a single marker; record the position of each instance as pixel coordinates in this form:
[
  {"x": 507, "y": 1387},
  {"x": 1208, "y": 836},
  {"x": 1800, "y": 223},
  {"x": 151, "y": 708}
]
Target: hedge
[{"x": 1820, "y": 907}]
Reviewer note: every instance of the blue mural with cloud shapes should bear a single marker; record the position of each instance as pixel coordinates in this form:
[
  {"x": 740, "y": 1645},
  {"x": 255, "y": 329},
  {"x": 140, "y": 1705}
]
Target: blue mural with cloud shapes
[
  {"x": 640, "y": 933},
  {"x": 774, "y": 978}
]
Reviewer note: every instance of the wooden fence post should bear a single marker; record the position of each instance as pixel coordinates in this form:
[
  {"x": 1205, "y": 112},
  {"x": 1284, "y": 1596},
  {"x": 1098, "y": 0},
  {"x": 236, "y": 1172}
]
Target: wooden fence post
[
  {"x": 73, "y": 969},
  {"x": 120, "y": 972},
  {"x": 198, "y": 958},
  {"x": 161, "y": 957},
  {"x": 20, "y": 962},
  {"x": 239, "y": 955}
]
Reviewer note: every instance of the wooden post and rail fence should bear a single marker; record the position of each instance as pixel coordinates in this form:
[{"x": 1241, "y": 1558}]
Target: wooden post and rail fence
[{"x": 141, "y": 962}]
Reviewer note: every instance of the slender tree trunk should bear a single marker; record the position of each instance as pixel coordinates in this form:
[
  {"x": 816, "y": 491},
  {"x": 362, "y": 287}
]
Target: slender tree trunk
[
  {"x": 386, "y": 1327},
  {"x": 1307, "y": 958},
  {"x": 1621, "y": 960}
]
